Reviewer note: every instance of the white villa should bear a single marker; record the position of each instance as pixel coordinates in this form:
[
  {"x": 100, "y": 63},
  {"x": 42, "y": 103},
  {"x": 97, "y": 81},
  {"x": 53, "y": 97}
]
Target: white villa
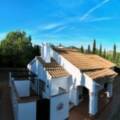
[{"x": 61, "y": 78}]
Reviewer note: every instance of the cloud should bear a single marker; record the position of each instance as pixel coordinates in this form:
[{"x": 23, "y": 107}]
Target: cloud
[
  {"x": 101, "y": 19},
  {"x": 93, "y": 9},
  {"x": 51, "y": 26},
  {"x": 60, "y": 29}
]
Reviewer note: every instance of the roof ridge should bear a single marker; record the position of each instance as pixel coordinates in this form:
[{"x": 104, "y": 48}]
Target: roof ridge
[{"x": 85, "y": 61}]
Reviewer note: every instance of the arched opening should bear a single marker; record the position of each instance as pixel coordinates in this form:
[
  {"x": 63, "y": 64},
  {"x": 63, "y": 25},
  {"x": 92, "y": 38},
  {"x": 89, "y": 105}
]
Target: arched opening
[
  {"x": 83, "y": 92},
  {"x": 105, "y": 86},
  {"x": 83, "y": 98}
]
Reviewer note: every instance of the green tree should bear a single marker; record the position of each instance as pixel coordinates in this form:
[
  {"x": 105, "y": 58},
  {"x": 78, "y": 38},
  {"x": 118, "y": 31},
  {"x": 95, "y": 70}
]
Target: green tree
[
  {"x": 37, "y": 50},
  {"x": 89, "y": 49},
  {"x": 114, "y": 52},
  {"x": 94, "y": 47},
  {"x": 100, "y": 50},
  {"x": 16, "y": 49},
  {"x": 104, "y": 53},
  {"x": 82, "y": 49}
]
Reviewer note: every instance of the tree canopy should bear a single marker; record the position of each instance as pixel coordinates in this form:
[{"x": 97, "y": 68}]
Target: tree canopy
[
  {"x": 112, "y": 55},
  {"x": 16, "y": 49}
]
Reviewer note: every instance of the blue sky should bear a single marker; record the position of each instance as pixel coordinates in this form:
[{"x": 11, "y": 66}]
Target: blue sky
[{"x": 70, "y": 22}]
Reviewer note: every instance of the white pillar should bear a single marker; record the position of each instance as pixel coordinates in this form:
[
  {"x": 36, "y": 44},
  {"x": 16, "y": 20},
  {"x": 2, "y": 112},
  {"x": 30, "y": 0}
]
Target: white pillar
[
  {"x": 75, "y": 96},
  {"x": 93, "y": 103},
  {"x": 45, "y": 52},
  {"x": 109, "y": 90}
]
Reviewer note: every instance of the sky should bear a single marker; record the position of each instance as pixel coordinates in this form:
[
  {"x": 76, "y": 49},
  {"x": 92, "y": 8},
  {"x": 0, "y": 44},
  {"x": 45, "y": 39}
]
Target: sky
[{"x": 69, "y": 22}]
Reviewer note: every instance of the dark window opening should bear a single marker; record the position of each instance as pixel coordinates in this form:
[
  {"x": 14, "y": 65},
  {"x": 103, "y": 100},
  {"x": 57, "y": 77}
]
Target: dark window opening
[{"x": 105, "y": 86}]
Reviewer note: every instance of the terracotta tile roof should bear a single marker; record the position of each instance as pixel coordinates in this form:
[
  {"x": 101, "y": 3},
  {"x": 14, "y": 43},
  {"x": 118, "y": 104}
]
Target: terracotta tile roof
[
  {"x": 54, "y": 69},
  {"x": 100, "y": 73},
  {"x": 84, "y": 61},
  {"x": 103, "y": 62},
  {"x": 93, "y": 65}
]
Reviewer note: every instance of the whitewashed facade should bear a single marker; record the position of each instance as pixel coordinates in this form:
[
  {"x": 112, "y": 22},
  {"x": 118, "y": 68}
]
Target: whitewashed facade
[
  {"x": 63, "y": 92},
  {"x": 70, "y": 83},
  {"x": 23, "y": 104}
]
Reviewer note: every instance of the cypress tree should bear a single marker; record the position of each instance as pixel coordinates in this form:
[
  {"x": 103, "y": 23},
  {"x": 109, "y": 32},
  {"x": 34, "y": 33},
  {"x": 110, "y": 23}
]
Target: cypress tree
[
  {"x": 94, "y": 46},
  {"x": 89, "y": 49},
  {"x": 114, "y": 52},
  {"x": 104, "y": 53},
  {"x": 100, "y": 50},
  {"x": 82, "y": 49}
]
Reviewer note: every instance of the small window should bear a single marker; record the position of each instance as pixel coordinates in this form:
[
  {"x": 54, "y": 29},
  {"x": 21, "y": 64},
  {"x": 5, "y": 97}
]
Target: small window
[{"x": 105, "y": 86}]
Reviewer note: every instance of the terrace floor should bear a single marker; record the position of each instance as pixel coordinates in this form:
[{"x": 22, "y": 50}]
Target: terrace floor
[
  {"x": 81, "y": 111},
  {"x": 107, "y": 107},
  {"x": 107, "y": 110}
]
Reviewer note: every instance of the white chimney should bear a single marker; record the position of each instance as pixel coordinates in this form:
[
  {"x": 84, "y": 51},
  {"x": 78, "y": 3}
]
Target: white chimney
[{"x": 45, "y": 52}]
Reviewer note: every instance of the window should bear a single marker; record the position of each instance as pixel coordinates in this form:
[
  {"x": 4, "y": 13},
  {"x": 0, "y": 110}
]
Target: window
[{"x": 106, "y": 86}]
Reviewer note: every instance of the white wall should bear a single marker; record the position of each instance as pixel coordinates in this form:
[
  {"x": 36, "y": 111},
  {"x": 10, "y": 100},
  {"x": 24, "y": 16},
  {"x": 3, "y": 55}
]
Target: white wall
[
  {"x": 45, "y": 52},
  {"x": 56, "y": 83},
  {"x": 41, "y": 71},
  {"x": 93, "y": 103},
  {"x": 22, "y": 87},
  {"x": 77, "y": 77},
  {"x": 62, "y": 114},
  {"x": 34, "y": 67},
  {"x": 42, "y": 74},
  {"x": 27, "y": 111}
]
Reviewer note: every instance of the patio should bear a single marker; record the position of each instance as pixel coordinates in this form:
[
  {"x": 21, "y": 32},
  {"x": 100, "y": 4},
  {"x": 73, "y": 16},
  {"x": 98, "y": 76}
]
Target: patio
[{"x": 80, "y": 112}]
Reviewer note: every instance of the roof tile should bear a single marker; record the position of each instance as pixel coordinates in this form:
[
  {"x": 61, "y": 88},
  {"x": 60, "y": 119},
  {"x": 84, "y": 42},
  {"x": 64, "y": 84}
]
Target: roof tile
[
  {"x": 84, "y": 61},
  {"x": 54, "y": 69}
]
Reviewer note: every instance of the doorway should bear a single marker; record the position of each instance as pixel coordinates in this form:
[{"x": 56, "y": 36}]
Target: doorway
[{"x": 43, "y": 109}]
